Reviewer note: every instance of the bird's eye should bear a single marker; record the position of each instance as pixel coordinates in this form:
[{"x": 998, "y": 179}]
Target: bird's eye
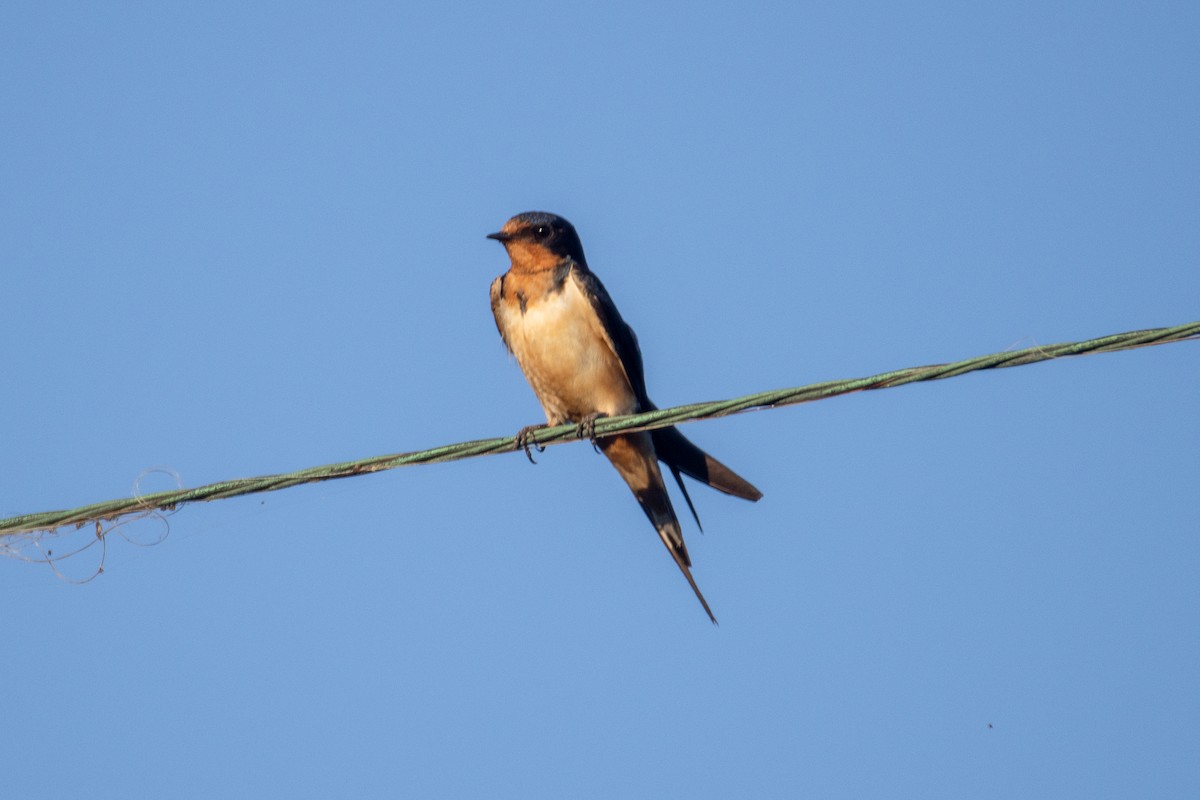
[{"x": 542, "y": 232}]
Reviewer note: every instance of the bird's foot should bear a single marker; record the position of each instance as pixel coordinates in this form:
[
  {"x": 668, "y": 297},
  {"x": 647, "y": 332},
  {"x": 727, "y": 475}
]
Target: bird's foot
[
  {"x": 524, "y": 444},
  {"x": 587, "y": 427}
]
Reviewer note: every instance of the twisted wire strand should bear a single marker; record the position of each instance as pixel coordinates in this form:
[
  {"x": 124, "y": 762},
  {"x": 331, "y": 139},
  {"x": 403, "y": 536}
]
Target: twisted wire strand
[{"x": 170, "y": 500}]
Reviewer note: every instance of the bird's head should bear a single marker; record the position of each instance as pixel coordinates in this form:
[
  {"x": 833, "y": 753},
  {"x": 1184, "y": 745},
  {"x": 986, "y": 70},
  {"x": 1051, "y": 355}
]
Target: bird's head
[{"x": 537, "y": 241}]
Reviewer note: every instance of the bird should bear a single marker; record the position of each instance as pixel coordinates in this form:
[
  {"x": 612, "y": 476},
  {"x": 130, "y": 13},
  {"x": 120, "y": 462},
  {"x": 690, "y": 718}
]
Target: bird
[{"x": 583, "y": 362}]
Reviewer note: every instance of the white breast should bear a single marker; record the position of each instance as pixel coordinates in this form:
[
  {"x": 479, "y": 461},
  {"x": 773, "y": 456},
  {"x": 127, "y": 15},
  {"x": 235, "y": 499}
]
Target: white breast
[{"x": 566, "y": 355}]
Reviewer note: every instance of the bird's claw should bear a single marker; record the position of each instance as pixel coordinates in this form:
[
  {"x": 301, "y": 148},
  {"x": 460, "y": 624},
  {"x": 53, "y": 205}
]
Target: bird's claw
[
  {"x": 523, "y": 442},
  {"x": 587, "y": 427}
]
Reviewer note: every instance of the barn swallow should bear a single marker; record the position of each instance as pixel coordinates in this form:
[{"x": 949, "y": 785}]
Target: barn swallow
[{"x": 583, "y": 362}]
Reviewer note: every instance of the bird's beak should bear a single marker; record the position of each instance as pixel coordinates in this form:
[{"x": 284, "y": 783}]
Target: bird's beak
[{"x": 500, "y": 236}]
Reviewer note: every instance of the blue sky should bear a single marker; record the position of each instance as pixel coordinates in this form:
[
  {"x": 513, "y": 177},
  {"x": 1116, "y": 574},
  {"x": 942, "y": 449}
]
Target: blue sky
[{"x": 249, "y": 238}]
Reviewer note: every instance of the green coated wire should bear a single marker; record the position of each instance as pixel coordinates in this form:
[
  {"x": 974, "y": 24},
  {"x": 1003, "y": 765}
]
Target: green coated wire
[{"x": 169, "y": 500}]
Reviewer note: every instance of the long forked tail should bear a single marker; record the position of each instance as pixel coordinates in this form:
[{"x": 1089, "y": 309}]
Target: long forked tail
[
  {"x": 634, "y": 457},
  {"x": 683, "y": 562}
]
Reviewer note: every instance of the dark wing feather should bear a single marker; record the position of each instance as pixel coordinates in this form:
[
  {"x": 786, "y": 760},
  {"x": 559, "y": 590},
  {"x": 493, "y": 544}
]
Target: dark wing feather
[
  {"x": 671, "y": 446},
  {"x": 677, "y": 452},
  {"x": 497, "y": 293},
  {"x": 623, "y": 338}
]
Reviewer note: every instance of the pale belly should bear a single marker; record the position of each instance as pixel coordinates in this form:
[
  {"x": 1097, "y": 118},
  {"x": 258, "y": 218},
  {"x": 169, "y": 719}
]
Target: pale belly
[{"x": 567, "y": 359}]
